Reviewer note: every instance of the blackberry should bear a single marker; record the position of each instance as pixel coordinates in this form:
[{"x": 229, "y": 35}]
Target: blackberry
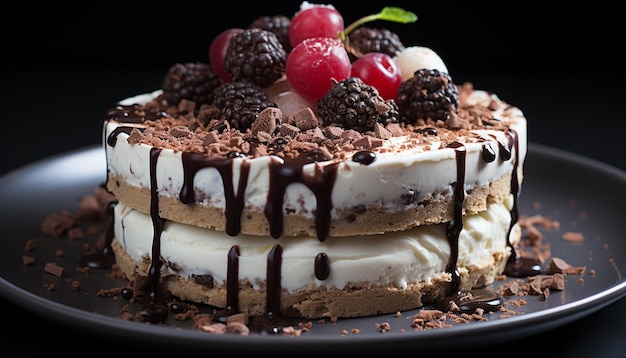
[
  {"x": 255, "y": 55},
  {"x": 278, "y": 24},
  {"x": 429, "y": 94},
  {"x": 365, "y": 39},
  {"x": 192, "y": 81},
  {"x": 352, "y": 104},
  {"x": 240, "y": 102}
]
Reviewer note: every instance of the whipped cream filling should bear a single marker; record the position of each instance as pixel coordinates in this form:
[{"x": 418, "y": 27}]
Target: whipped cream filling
[
  {"x": 399, "y": 169},
  {"x": 400, "y": 258}
]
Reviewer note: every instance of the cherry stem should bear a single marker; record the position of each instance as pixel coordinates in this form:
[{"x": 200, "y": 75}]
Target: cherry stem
[{"x": 388, "y": 13}]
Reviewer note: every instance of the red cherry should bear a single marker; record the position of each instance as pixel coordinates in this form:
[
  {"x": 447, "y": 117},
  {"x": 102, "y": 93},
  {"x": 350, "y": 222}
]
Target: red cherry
[
  {"x": 313, "y": 63},
  {"x": 379, "y": 70},
  {"x": 315, "y": 21},
  {"x": 217, "y": 52}
]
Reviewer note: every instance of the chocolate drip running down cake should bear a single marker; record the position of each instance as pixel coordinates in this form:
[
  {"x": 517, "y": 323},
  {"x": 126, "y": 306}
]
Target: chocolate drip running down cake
[{"x": 256, "y": 198}]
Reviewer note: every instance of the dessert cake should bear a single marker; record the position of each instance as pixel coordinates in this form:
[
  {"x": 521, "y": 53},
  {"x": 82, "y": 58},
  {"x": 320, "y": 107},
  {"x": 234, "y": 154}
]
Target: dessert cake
[{"x": 254, "y": 187}]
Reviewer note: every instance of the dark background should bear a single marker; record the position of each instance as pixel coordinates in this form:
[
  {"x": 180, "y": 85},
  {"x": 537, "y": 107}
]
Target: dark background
[
  {"x": 485, "y": 36},
  {"x": 63, "y": 65}
]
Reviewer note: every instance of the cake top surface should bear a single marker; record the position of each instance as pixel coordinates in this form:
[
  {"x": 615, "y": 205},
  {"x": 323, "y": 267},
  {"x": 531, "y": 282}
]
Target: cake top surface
[
  {"x": 285, "y": 87},
  {"x": 288, "y": 135}
]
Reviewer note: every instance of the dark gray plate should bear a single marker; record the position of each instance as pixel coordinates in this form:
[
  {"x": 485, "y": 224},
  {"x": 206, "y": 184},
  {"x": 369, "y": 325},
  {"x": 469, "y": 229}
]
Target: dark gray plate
[{"x": 582, "y": 194}]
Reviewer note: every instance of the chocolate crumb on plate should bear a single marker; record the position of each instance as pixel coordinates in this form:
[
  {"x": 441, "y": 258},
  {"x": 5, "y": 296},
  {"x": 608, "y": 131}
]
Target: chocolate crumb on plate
[
  {"x": 28, "y": 260},
  {"x": 31, "y": 245},
  {"x": 53, "y": 269}
]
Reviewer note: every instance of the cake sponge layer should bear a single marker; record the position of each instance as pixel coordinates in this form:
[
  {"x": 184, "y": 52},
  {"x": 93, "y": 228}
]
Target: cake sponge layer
[{"x": 366, "y": 275}]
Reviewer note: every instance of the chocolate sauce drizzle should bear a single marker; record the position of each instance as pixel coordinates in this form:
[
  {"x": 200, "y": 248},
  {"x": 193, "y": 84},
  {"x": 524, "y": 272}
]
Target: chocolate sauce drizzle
[
  {"x": 232, "y": 279},
  {"x": 466, "y": 301},
  {"x": 193, "y": 162},
  {"x": 469, "y": 301},
  {"x": 366, "y": 157},
  {"x": 132, "y": 114},
  {"x": 273, "y": 275},
  {"x": 282, "y": 174},
  {"x": 454, "y": 228},
  {"x": 158, "y": 225},
  {"x": 322, "y": 266},
  {"x": 321, "y": 184},
  {"x": 518, "y": 266},
  {"x": 155, "y": 308}
]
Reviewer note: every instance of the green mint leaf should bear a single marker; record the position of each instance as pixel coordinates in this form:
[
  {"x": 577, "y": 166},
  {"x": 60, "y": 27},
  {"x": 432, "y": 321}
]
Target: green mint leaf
[
  {"x": 397, "y": 14},
  {"x": 388, "y": 13}
]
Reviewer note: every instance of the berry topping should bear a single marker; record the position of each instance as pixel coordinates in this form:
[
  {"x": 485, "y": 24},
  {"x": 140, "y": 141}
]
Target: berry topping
[
  {"x": 191, "y": 81},
  {"x": 315, "y": 20},
  {"x": 364, "y": 40},
  {"x": 278, "y": 24},
  {"x": 240, "y": 102},
  {"x": 413, "y": 58},
  {"x": 257, "y": 56},
  {"x": 429, "y": 94},
  {"x": 217, "y": 52},
  {"x": 313, "y": 63},
  {"x": 379, "y": 70},
  {"x": 352, "y": 104}
]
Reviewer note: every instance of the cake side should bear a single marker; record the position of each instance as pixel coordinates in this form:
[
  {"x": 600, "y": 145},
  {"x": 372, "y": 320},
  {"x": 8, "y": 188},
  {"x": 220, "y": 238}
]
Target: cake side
[
  {"x": 363, "y": 275},
  {"x": 364, "y": 219}
]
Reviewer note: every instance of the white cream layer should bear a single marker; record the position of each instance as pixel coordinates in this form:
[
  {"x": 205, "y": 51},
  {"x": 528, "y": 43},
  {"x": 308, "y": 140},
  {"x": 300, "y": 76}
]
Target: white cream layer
[
  {"x": 396, "y": 171},
  {"x": 416, "y": 255}
]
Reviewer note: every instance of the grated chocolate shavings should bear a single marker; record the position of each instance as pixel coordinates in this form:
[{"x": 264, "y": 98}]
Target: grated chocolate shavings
[
  {"x": 57, "y": 223},
  {"x": 558, "y": 265},
  {"x": 31, "y": 244},
  {"x": 187, "y": 129},
  {"x": 75, "y": 233},
  {"x": 53, "y": 269},
  {"x": 573, "y": 237},
  {"x": 28, "y": 260},
  {"x": 531, "y": 225},
  {"x": 109, "y": 292},
  {"x": 89, "y": 208}
]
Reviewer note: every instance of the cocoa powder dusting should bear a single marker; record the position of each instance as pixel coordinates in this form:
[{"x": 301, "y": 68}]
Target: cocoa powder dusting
[{"x": 288, "y": 134}]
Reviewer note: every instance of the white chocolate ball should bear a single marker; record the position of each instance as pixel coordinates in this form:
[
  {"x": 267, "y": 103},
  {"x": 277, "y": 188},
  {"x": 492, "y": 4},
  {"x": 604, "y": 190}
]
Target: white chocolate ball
[{"x": 414, "y": 58}]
